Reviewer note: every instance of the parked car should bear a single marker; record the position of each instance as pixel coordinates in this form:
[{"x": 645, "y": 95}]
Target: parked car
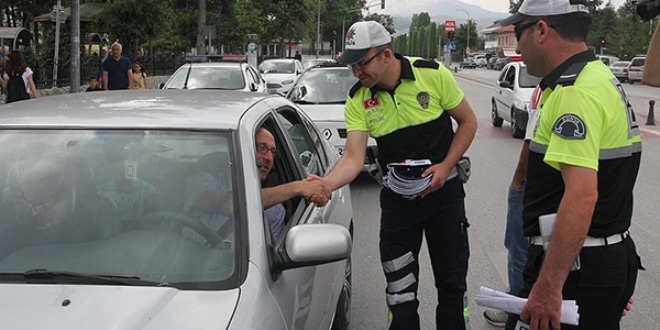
[
  {"x": 99, "y": 264},
  {"x": 238, "y": 76},
  {"x": 480, "y": 61},
  {"x": 491, "y": 63},
  {"x": 468, "y": 63},
  {"x": 321, "y": 91},
  {"x": 608, "y": 59},
  {"x": 500, "y": 63},
  {"x": 620, "y": 70},
  {"x": 280, "y": 74},
  {"x": 635, "y": 69},
  {"x": 510, "y": 101}
]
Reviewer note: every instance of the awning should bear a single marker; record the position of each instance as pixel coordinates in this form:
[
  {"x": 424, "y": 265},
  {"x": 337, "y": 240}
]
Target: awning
[
  {"x": 16, "y": 34},
  {"x": 86, "y": 10}
]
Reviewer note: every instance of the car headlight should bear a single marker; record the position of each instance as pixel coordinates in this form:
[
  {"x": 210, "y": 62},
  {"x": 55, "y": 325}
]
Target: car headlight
[{"x": 287, "y": 82}]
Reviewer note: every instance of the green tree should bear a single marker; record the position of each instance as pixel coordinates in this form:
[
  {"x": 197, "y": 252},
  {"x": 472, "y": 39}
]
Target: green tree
[
  {"x": 386, "y": 20},
  {"x": 514, "y": 5},
  {"x": 460, "y": 38}
]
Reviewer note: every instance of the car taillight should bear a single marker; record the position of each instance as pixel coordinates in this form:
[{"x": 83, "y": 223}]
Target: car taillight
[{"x": 625, "y": 70}]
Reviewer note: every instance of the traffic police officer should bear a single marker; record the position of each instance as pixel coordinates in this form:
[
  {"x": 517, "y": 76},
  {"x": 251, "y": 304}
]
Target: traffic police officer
[
  {"x": 407, "y": 105},
  {"x": 583, "y": 163}
]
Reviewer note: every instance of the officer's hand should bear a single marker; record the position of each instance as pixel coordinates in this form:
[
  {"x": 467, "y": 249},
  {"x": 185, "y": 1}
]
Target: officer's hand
[
  {"x": 628, "y": 306},
  {"x": 543, "y": 308},
  {"x": 440, "y": 172},
  {"x": 322, "y": 192}
]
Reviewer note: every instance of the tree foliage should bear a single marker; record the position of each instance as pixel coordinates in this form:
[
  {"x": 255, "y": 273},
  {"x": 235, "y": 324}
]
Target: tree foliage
[{"x": 386, "y": 20}]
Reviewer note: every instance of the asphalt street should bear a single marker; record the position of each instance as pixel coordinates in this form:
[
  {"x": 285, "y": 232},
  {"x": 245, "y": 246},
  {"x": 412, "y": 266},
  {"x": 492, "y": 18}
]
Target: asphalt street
[{"x": 494, "y": 155}]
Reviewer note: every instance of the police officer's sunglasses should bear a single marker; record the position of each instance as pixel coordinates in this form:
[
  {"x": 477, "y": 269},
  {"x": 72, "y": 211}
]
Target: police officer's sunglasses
[
  {"x": 362, "y": 64},
  {"x": 522, "y": 27}
]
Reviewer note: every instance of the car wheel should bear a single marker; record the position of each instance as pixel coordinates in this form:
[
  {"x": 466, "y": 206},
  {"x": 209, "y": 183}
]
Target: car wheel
[
  {"x": 497, "y": 121},
  {"x": 342, "y": 320},
  {"x": 632, "y": 82},
  {"x": 516, "y": 132}
]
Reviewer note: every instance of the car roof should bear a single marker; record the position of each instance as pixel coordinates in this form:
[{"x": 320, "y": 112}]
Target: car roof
[
  {"x": 287, "y": 60},
  {"x": 216, "y": 64},
  {"x": 148, "y": 109}
]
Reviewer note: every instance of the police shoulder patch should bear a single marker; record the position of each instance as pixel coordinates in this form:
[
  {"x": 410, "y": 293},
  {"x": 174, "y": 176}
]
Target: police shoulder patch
[
  {"x": 431, "y": 64},
  {"x": 570, "y": 126}
]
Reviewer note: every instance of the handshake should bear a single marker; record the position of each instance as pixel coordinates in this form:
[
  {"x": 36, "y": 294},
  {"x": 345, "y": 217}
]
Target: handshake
[{"x": 316, "y": 189}]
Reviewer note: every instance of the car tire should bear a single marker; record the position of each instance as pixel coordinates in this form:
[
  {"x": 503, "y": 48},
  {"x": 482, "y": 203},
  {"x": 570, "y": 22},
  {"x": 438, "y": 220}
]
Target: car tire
[
  {"x": 342, "y": 319},
  {"x": 516, "y": 132},
  {"x": 632, "y": 82},
  {"x": 497, "y": 121}
]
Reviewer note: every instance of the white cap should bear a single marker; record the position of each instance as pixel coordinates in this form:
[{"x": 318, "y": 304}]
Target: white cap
[
  {"x": 360, "y": 38},
  {"x": 546, "y": 8}
]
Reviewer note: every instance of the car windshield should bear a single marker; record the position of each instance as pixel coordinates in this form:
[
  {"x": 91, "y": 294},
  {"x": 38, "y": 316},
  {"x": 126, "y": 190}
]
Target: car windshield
[
  {"x": 207, "y": 77},
  {"x": 276, "y": 67},
  {"x": 638, "y": 62},
  {"x": 527, "y": 80},
  {"x": 311, "y": 63},
  {"x": 320, "y": 86},
  {"x": 119, "y": 204}
]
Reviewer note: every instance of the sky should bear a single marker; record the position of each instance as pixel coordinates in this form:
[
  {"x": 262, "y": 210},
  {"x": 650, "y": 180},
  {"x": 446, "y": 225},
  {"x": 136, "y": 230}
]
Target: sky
[{"x": 492, "y": 5}]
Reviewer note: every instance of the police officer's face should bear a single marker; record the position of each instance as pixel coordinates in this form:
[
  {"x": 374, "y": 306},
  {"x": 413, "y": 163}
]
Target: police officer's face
[
  {"x": 532, "y": 54},
  {"x": 370, "y": 68},
  {"x": 265, "y": 156}
]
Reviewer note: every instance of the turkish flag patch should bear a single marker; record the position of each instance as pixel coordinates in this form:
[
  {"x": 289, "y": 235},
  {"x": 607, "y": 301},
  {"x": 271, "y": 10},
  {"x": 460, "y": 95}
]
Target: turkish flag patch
[{"x": 370, "y": 103}]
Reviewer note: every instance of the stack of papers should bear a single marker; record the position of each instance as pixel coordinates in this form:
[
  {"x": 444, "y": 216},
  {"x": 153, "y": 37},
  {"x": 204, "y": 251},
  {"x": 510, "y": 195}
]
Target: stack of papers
[
  {"x": 511, "y": 304},
  {"x": 406, "y": 179}
]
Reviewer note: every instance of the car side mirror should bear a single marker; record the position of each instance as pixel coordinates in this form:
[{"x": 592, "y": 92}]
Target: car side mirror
[
  {"x": 313, "y": 244},
  {"x": 506, "y": 84}
]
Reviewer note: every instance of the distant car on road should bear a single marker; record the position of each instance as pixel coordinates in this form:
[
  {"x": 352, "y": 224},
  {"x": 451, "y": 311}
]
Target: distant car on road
[
  {"x": 500, "y": 63},
  {"x": 635, "y": 69},
  {"x": 321, "y": 92},
  {"x": 468, "y": 63},
  {"x": 620, "y": 70},
  {"x": 238, "y": 76},
  {"x": 480, "y": 61},
  {"x": 491, "y": 63},
  {"x": 510, "y": 101},
  {"x": 280, "y": 74}
]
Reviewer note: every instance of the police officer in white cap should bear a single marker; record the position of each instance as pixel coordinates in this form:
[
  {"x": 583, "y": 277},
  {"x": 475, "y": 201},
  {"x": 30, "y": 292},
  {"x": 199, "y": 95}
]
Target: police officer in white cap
[
  {"x": 407, "y": 105},
  {"x": 583, "y": 161}
]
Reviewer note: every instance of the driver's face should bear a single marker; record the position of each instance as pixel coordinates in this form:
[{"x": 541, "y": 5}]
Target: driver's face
[{"x": 266, "y": 160}]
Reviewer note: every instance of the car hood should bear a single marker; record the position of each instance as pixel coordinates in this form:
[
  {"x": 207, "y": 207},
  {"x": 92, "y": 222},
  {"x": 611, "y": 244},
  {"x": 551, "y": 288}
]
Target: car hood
[
  {"x": 278, "y": 77},
  {"x": 114, "y": 307},
  {"x": 324, "y": 112}
]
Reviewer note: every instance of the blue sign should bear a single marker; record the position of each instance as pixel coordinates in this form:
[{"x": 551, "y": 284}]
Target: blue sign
[{"x": 450, "y": 45}]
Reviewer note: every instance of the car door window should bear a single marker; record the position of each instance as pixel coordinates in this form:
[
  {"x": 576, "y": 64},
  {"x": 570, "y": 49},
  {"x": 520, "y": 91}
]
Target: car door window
[
  {"x": 307, "y": 149},
  {"x": 511, "y": 75},
  {"x": 502, "y": 75},
  {"x": 250, "y": 77}
]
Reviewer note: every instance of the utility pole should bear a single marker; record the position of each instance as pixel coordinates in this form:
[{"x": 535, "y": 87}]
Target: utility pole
[
  {"x": 318, "y": 32},
  {"x": 201, "y": 28},
  {"x": 468, "y": 31},
  {"x": 58, "y": 16},
  {"x": 75, "y": 46}
]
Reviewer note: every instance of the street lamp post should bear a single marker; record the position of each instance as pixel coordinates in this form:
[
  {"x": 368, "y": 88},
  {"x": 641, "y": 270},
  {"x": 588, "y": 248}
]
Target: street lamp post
[
  {"x": 468, "y": 30},
  {"x": 318, "y": 32},
  {"x": 58, "y": 16}
]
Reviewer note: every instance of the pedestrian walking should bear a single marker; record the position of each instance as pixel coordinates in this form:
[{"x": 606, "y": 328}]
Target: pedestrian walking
[
  {"x": 18, "y": 81},
  {"x": 407, "y": 105},
  {"x": 583, "y": 162},
  {"x": 117, "y": 70}
]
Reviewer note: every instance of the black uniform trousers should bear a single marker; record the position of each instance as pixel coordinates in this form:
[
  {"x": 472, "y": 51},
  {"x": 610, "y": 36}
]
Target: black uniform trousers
[
  {"x": 440, "y": 216},
  {"x": 601, "y": 288}
]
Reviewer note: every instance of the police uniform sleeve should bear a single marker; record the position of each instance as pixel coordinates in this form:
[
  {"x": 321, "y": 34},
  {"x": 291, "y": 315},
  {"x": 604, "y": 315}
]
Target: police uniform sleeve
[
  {"x": 575, "y": 122},
  {"x": 356, "y": 119},
  {"x": 450, "y": 93}
]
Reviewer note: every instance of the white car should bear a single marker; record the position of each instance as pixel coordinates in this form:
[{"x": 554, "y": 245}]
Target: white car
[
  {"x": 635, "y": 69},
  {"x": 620, "y": 70},
  {"x": 81, "y": 246},
  {"x": 510, "y": 101},
  {"x": 216, "y": 75},
  {"x": 480, "y": 60},
  {"x": 280, "y": 74},
  {"x": 321, "y": 92}
]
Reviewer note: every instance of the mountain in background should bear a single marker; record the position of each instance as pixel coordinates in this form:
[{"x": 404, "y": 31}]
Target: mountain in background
[{"x": 440, "y": 11}]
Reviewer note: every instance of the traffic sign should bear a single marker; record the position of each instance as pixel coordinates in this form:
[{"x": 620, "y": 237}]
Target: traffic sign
[
  {"x": 450, "y": 45},
  {"x": 252, "y": 47},
  {"x": 450, "y": 26}
]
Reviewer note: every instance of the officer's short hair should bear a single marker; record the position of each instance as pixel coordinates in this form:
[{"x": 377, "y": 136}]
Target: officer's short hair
[{"x": 573, "y": 27}]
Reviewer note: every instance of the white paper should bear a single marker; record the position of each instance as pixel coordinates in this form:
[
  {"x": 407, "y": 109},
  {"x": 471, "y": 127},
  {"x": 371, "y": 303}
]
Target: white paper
[{"x": 511, "y": 304}]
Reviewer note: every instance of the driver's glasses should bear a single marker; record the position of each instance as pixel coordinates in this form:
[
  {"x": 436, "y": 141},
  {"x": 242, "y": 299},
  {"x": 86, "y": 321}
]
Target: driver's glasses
[
  {"x": 522, "y": 27},
  {"x": 263, "y": 149},
  {"x": 362, "y": 64}
]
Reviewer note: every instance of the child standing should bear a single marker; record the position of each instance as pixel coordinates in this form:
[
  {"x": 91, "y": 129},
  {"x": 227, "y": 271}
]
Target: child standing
[{"x": 139, "y": 76}]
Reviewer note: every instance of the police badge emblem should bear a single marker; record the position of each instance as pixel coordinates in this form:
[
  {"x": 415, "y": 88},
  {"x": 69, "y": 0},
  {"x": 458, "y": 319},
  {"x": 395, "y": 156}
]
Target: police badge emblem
[{"x": 423, "y": 100}]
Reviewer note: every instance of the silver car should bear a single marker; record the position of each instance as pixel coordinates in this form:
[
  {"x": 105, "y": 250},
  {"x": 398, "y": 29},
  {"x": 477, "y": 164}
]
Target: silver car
[
  {"x": 218, "y": 76},
  {"x": 620, "y": 70},
  {"x": 97, "y": 229},
  {"x": 322, "y": 91}
]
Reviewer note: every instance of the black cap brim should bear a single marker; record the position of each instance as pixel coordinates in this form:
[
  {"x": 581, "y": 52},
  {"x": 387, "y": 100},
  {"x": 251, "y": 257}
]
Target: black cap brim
[
  {"x": 352, "y": 56},
  {"x": 513, "y": 19}
]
